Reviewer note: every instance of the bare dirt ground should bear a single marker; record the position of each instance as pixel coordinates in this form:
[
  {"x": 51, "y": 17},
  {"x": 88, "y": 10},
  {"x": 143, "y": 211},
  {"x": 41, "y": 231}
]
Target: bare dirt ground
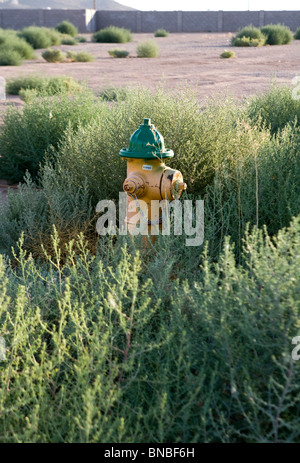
[{"x": 184, "y": 58}]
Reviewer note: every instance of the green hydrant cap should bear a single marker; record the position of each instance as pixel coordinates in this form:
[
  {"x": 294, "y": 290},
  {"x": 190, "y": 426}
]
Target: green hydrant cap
[{"x": 146, "y": 143}]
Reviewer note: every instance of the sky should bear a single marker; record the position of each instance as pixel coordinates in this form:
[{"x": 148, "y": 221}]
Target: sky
[{"x": 200, "y": 5}]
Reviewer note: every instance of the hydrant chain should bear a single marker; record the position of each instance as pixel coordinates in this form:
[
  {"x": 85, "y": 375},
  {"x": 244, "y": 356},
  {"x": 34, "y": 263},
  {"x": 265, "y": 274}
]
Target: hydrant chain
[{"x": 137, "y": 203}]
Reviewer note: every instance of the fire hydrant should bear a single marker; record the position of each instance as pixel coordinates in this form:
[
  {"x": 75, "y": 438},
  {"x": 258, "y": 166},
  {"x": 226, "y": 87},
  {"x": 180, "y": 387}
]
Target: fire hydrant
[{"x": 148, "y": 178}]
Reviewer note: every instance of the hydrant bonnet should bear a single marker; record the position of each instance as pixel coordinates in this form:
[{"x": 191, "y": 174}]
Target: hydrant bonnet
[{"x": 146, "y": 143}]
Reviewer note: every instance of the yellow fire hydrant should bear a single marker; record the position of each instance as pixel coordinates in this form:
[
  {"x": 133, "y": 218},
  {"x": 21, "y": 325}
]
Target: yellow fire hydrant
[{"x": 149, "y": 180}]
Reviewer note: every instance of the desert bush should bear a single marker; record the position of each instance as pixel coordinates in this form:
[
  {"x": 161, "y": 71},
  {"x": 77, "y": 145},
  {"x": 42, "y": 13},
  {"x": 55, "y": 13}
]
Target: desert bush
[
  {"x": 66, "y": 27},
  {"x": 81, "y": 56},
  {"x": 228, "y": 54},
  {"x": 37, "y": 37},
  {"x": 33, "y": 212},
  {"x": 43, "y": 85},
  {"x": 53, "y": 55},
  {"x": 248, "y": 36},
  {"x": 68, "y": 40},
  {"x": 49, "y": 87},
  {"x": 112, "y": 34},
  {"x": 274, "y": 108},
  {"x": 297, "y": 34},
  {"x": 114, "y": 93},
  {"x": 7, "y": 33},
  {"x": 14, "y": 49},
  {"x": 27, "y": 133},
  {"x": 277, "y": 34},
  {"x": 202, "y": 139},
  {"x": 147, "y": 49},
  {"x": 81, "y": 39},
  {"x": 248, "y": 42},
  {"x": 54, "y": 36},
  {"x": 10, "y": 58},
  {"x": 20, "y": 46},
  {"x": 28, "y": 95},
  {"x": 118, "y": 53},
  {"x": 115, "y": 341},
  {"x": 244, "y": 174},
  {"x": 161, "y": 33},
  {"x": 260, "y": 189},
  {"x": 251, "y": 32},
  {"x": 123, "y": 352}
]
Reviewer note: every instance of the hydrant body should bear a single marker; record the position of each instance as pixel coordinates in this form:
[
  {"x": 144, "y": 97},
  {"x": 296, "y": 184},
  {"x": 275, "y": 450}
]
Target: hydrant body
[{"x": 148, "y": 180}]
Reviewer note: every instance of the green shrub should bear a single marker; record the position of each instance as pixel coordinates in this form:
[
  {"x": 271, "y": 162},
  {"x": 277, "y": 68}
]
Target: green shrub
[
  {"x": 26, "y": 134},
  {"x": 261, "y": 188},
  {"x": 147, "y": 49},
  {"x": 248, "y": 36},
  {"x": 297, "y": 34},
  {"x": 37, "y": 37},
  {"x": 10, "y": 58},
  {"x": 7, "y": 34},
  {"x": 81, "y": 57},
  {"x": 243, "y": 174},
  {"x": 228, "y": 54},
  {"x": 202, "y": 140},
  {"x": 161, "y": 33},
  {"x": 277, "y": 34},
  {"x": 251, "y": 32},
  {"x": 53, "y": 56},
  {"x": 113, "y": 349},
  {"x": 57, "y": 202},
  {"x": 248, "y": 42},
  {"x": 43, "y": 85},
  {"x": 66, "y": 27},
  {"x": 11, "y": 44},
  {"x": 274, "y": 108},
  {"x": 112, "y": 34},
  {"x": 19, "y": 46},
  {"x": 68, "y": 40},
  {"x": 114, "y": 93},
  {"x": 81, "y": 39},
  {"x": 122, "y": 342},
  {"x": 13, "y": 86},
  {"x": 28, "y": 95},
  {"x": 53, "y": 35},
  {"x": 118, "y": 53}
]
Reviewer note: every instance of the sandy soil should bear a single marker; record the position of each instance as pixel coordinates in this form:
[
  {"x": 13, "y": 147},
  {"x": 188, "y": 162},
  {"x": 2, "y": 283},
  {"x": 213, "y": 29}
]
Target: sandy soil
[{"x": 191, "y": 58}]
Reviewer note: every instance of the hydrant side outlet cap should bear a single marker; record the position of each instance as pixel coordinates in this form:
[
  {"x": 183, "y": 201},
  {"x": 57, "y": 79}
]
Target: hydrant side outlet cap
[{"x": 146, "y": 143}]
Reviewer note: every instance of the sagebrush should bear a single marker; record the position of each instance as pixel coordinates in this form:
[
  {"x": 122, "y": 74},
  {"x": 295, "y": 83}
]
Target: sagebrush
[
  {"x": 43, "y": 85},
  {"x": 112, "y": 34},
  {"x": 111, "y": 348},
  {"x": 28, "y": 133},
  {"x": 122, "y": 339},
  {"x": 66, "y": 27},
  {"x": 147, "y": 49}
]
